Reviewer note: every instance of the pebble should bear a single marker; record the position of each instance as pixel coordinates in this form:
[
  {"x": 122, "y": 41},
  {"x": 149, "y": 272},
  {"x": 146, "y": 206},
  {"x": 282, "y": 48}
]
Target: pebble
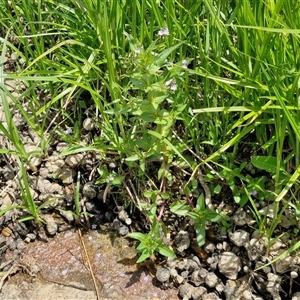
[
  {"x": 89, "y": 191},
  {"x": 51, "y": 226},
  {"x": 273, "y": 285},
  {"x": 255, "y": 249},
  {"x": 109, "y": 216},
  {"x": 74, "y": 160},
  {"x": 296, "y": 296},
  {"x": 209, "y": 247},
  {"x": 123, "y": 230},
  {"x": 294, "y": 274},
  {"x": 284, "y": 264},
  {"x": 239, "y": 237},
  {"x": 122, "y": 215},
  {"x": 229, "y": 265},
  {"x": 184, "y": 274},
  {"x": 173, "y": 272},
  {"x": 67, "y": 175},
  {"x": 91, "y": 207},
  {"x": 196, "y": 259},
  {"x": 162, "y": 274},
  {"x": 181, "y": 264},
  {"x": 31, "y": 236},
  {"x": 179, "y": 279},
  {"x": 61, "y": 146},
  {"x": 268, "y": 211},
  {"x": 203, "y": 272},
  {"x": 240, "y": 218},
  {"x": 196, "y": 278},
  {"x": 112, "y": 165},
  {"x": 6, "y": 231},
  {"x": 12, "y": 245},
  {"x": 220, "y": 288},
  {"x": 186, "y": 290},
  {"x": 211, "y": 280},
  {"x": 20, "y": 244},
  {"x": 67, "y": 215},
  {"x": 88, "y": 124},
  {"x": 198, "y": 293},
  {"x": 115, "y": 225},
  {"x": 211, "y": 296},
  {"x": 182, "y": 241},
  {"x": 128, "y": 221},
  {"x": 191, "y": 265}
]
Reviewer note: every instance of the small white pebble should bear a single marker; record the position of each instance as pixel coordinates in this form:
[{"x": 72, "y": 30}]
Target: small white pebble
[{"x": 294, "y": 274}]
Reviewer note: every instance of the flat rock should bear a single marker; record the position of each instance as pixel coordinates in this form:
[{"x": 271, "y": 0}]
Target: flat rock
[{"x": 229, "y": 265}]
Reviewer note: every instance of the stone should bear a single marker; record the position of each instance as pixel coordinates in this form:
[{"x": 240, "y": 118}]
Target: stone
[
  {"x": 191, "y": 265},
  {"x": 229, "y": 265},
  {"x": 123, "y": 230},
  {"x": 122, "y": 215},
  {"x": 67, "y": 215},
  {"x": 211, "y": 280},
  {"x": 53, "y": 167},
  {"x": 284, "y": 264},
  {"x": 196, "y": 278},
  {"x": 179, "y": 279},
  {"x": 67, "y": 175},
  {"x": 220, "y": 288},
  {"x": 8, "y": 173},
  {"x": 31, "y": 236},
  {"x": 162, "y": 274},
  {"x": 255, "y": 249},
  {"x": 209, "y": 247},
  {"x": 273, "y": 285},
  {"x": 7, "y": 199},
  {"x": 211, "y": 296},
  {"x": 296, "y": 296},
  {"x": 268, "y": 211},
  {"x": 240, "y": 218},
  {"x": 186, "y": 290},
  {"x": 61, "y": 146},
  {"x": 44, "y": 186},
  {"x": 181, "y": 264},
  {"x": 128, "y": 221},
  {"x": 239, "y": 237},
  {"x": 74, "y": 160},
  {"x": 88, "y": 124},
  {"x": 173, "y": 272},
  {"x": 184, "y": 274},
  {"x": 51, "y": 226},
  {"x": 198, "y": 293},
  {"x": 21, "y": 228},
  {"x": 294, "y": 274},
  {"x": 6, "y": 232},
  {"x": 182, "y": 241},
  {"x": 89, "y": 190},
  {"x": 91, "y": 207},
  {"x": 115, "y": 225}
]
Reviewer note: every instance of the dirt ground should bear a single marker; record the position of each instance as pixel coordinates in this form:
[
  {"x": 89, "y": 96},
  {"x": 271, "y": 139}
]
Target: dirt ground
[{"x": 64, "y": 272}]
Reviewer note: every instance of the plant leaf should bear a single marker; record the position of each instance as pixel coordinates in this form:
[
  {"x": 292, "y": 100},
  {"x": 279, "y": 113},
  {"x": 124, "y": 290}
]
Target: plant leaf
[
  {"x": 266, "y": 163},
  {"x": 166, "y": 251},
  {"x": 179, "y": 208}
]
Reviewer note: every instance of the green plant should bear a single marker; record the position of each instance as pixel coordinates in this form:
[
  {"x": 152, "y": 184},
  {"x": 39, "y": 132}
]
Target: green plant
[
  {"x": 200, "y": 214},
  {"x": 153, "y": 240}
]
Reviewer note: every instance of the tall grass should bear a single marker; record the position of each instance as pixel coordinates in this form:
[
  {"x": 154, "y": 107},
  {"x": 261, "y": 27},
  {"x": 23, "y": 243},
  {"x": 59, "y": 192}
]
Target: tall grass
[{"x": 239, "y": 94}]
